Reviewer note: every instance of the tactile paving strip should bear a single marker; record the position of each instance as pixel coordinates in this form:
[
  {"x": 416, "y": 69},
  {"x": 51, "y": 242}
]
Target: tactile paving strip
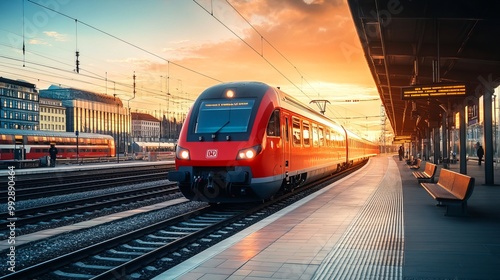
[{"x": 372, "y": 246}]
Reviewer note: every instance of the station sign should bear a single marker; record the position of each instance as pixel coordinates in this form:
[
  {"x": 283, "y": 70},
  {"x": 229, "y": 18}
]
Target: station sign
[
  {"x": 402, "y": 138},
  {"x": 433, "y": 90}
]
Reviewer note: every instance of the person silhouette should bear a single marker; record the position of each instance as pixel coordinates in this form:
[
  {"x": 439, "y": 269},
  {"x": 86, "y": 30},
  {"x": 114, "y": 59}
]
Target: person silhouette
[
  {"x": 53, "y": 154},
  {"x": 401, "y": 153},
  {"x": 480, "y": 154}
]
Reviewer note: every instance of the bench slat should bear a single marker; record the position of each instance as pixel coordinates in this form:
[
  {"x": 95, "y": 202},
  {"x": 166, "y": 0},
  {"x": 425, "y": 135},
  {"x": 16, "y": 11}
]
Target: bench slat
[{"x": 438, "y": 192}]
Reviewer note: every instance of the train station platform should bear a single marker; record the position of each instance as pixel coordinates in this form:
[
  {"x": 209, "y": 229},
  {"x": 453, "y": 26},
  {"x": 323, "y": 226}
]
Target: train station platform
[
  {"x": 378, "y": 223},
  {"x": 84, "y": 167}
]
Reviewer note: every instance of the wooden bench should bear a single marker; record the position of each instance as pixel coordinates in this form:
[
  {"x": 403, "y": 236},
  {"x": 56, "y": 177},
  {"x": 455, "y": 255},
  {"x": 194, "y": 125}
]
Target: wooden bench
[
  {"x": 452, "y": 190},
  {"x": 428, "y": 173},
  {"x": 417, "y": 165}
]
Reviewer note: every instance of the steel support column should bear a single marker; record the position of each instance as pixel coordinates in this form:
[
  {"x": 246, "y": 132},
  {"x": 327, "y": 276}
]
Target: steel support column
[
  {"x": 444, "y": 135},
  {"x": 435, "y": 141},
  {"x": 488, "y": 137},
  {"x": 462, "y": 140}
]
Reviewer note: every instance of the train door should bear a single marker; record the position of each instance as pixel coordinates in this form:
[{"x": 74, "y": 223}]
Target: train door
[
  {"x": 286, "y": 144},
  {"x": 19, "y": 148}
]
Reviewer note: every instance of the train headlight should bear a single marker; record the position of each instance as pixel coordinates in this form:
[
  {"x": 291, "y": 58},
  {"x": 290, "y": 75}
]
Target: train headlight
[
  {"x": 249, "y": 153},
  {"x": 182, "y": 153}
]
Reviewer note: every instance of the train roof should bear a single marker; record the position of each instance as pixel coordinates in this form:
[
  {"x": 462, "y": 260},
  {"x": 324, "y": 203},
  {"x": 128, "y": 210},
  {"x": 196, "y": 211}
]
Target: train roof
[
  {"x": 291, "y": 103},
  {"x": 155, "y": 144},
  {"x": 285, "y": 101},
  {"x": 8, "y": 131}
]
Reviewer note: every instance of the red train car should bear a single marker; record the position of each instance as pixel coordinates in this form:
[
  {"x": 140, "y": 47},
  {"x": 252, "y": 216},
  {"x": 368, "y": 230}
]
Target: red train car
[
  {"x": 34, "y": 144},
  {"x": 246, "y": 141}
]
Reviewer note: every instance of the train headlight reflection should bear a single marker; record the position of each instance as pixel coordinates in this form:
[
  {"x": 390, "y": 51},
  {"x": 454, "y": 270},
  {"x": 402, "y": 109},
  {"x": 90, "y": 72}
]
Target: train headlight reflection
[
  {"x": 182, "y": 153},
  {"x": 249, "y": 153}
]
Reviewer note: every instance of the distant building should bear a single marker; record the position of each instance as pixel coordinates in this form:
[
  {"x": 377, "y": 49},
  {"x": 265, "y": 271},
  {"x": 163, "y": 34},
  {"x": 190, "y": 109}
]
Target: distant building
[
  {"x": 52, "y": 115},
  {"x": 18, "y": 105},
  {"x": 93, "y": 112},
  {"x": 145, "y": 128}
]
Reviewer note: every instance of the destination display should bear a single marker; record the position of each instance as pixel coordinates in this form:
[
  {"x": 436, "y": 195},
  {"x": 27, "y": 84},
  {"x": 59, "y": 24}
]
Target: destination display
[
  {"x": 434, "y": 90},
  {"x": 401, "y": 139}
]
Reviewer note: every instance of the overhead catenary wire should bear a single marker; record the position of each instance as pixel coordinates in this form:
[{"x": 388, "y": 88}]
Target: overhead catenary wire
[
  {"x": 90, "y": 75},
  {"x": 33, "y": 69},
  {"x": 24, "y": 45},
  {"x": 150, "y": 90},
  {"x": 330, "y": 110},
  {"x": 78, "y": 69},
  {"x": 272, "y": 46},
  {"x": 127, "y": 42},
  {"x": 261, "y": 54}
]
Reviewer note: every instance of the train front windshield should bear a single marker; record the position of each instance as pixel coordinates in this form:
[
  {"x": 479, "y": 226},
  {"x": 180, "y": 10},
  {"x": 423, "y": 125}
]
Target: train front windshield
[{"x": 224, "y": 116}]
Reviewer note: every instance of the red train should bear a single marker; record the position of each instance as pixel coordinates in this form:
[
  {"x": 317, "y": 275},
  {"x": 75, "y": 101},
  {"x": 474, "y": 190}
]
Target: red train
[
  {"x": 246, "y": 141},
  {"x": 35, "y": 144}
]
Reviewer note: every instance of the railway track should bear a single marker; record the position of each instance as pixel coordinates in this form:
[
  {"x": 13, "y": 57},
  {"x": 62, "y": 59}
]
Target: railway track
[
  {"x": 79, "y": 207},
  {"x": 168, "y": 242},
  {"x": 74, "y": 174},
  {"x": 121, "y": 255},
  {"x": 84, "y": 185}
]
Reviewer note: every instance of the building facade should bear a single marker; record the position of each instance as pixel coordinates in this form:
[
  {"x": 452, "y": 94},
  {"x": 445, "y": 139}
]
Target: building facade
[
  {"x": 93, "y": 113},
  {"x": 19, "y": 105},
  {"x": 145, "y": 128},
  {"x": 52, "y": 115}
]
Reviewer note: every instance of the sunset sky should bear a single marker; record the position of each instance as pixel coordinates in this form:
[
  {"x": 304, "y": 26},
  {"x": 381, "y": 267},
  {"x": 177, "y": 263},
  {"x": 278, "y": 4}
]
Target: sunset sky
[{"x": 309, "y": 48}]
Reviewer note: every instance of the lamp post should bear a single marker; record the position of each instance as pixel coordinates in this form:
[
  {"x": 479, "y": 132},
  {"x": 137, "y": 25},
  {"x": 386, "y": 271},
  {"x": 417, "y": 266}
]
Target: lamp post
[
  {"x": 77, "y": 149},
  {"x": 118, "y": 130}
]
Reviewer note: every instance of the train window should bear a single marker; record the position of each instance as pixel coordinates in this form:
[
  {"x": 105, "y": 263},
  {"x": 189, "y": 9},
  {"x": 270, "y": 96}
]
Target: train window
[
  {"x": 321, "y": 136},
  {"x": 335, "y": 139},
  {"x": 315, "y": 134},
  {"x": 222, "y": 115},
  {"x": 32, "y": 140},
  {"x": 306, "y": 133},
  {"x": 273, "y": 126},
  {"x": 296, "y": 131},
  {"x": 6, "y": 139},
  {"x": 286, "y": 129},
  {"x": 327, "y": 137}
]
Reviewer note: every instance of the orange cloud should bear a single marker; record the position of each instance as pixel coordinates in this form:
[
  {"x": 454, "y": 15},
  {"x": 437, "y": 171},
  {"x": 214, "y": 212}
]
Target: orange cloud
[{"x": 318, "y": 39}]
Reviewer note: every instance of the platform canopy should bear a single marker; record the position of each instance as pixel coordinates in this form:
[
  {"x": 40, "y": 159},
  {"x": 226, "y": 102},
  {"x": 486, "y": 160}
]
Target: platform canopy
[{"x": 420, "y": 43}]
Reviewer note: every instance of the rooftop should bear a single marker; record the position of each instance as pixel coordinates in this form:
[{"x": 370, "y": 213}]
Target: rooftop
[{"x": 60, "y": 93}]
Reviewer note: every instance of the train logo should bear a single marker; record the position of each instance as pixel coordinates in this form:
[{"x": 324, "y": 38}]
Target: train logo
[{"x": 211, "y": 153}]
